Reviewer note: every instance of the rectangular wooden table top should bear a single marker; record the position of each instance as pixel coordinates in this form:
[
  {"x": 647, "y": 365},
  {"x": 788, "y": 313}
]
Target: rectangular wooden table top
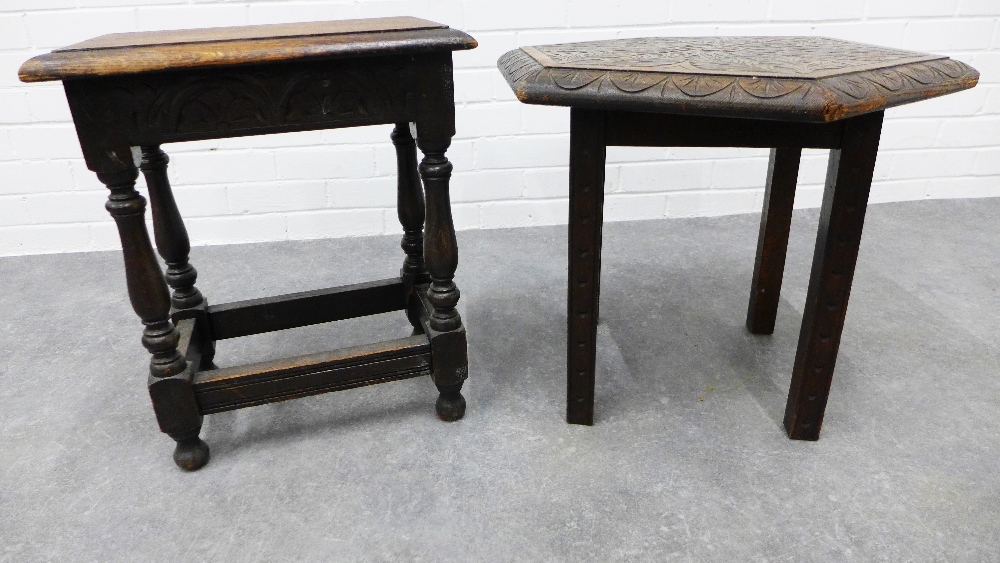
[
  {"x": 814, "y": 79},
  {"x": 133, "y": 53}
]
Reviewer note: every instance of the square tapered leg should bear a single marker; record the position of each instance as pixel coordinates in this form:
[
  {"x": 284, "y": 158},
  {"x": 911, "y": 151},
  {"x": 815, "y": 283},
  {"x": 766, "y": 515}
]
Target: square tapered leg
[
  {"x": 772, "y": 243},
  {"x": 586, "y": 203},
  {"x": 848, "y": 181}
]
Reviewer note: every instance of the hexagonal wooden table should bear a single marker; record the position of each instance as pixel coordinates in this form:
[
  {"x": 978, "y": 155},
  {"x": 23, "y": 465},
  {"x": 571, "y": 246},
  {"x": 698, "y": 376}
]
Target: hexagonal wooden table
[{"x": 782, "y": 93}]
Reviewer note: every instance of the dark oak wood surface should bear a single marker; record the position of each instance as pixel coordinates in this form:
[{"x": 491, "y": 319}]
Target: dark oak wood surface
[
  {"x": 786, "y": 94},
  {"x": 787, "y": 78},
  {"x": 586, "y": 211},
  {"x": 642, "y": 129},
  {"x": 842, "y": 217},
  {"x": 134, "y": 53},
  {"x": 268, "y": 314},
  {"x": 290, "y": 378},
  {"x": 130, "y": 93},
  {"x": 772, "y": 242}
]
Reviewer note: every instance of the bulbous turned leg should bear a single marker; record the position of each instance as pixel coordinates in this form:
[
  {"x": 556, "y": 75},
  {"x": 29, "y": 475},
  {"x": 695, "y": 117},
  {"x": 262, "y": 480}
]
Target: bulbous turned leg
[
  {"x": 440, "y": 245},
  {"x": 169, "y": 381},
  {"x": 410, "y": 208},
  {"x": 169, "y": 231},
  {"x": 450, "y": 405},
  {"x": 447, "y": 335},
  {"x": 191, "y": 453},
  {"x": 174, "y": 246}
]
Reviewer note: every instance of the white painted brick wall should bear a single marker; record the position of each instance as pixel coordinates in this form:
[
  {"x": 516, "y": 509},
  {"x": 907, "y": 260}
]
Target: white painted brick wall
[{"x": 510, "y": 159}]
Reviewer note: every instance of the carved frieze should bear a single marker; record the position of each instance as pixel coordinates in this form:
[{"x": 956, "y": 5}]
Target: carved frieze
[{"x": 164, "y": 107}]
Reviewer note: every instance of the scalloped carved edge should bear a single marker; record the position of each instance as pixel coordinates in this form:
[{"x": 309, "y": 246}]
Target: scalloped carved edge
[{"x": 791, "y": 99}]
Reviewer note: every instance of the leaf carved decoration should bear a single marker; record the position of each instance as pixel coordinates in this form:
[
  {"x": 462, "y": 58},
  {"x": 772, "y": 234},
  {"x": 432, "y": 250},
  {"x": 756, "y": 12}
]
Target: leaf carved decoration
[
  {"x": 635, "y": 81},
  {"x": 889, "y": 79},
  {"x": 950, "y": 68},
  {"x": 209, "y": 103},
  {"x": 700, "y": 85},
  {"x": 517, "y": 65},
  {"x": 774, "y": 57},
  {"x": 769, "y": 87},
  {"x": 920, "y": 73},
  {"x": 537, "y": 79},
  {"x": 322, "y": 96},
  {"x": 853, "y": 86},
  {"x": 219, "y": 103},
  {"x": 575, "y": 79}
]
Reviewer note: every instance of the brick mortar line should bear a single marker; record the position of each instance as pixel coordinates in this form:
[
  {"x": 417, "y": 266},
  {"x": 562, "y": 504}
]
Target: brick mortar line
[
  {"x": 616, "y": 29},
  {"x": 458, "y": 172},
  {"x": 713, "y": 189},
  {"x": 481, "y": 205}
]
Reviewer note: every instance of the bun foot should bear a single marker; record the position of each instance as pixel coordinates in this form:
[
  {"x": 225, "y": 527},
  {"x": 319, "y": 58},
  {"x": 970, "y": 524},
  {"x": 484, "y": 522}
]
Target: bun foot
[
  {"x": 191, "y": 454},
  {"x": 450, "y": 406}
]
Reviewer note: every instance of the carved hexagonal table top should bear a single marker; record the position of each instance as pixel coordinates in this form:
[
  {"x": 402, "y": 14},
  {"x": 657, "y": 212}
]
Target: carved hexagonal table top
[
  {"x": 778, "y": 57},
  {"x": 787, "y": 78}
]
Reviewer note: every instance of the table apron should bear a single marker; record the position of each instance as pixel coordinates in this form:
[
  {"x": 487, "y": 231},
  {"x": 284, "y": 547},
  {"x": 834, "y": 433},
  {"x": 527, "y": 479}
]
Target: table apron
[
  {"x": 154, "y": 108},
  {"x": 642, "y": 129}
]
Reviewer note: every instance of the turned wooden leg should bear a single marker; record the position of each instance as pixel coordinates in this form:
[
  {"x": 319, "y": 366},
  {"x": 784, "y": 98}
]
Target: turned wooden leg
[
  {"x": 448, "y": 346},
  {"x": 410, "y": 208},
  {"x": 848, "y": 181},
  {"x": 587, "y": 152},
  {"x": 169, "y": 382},
  {"x": 174, "y": 246},
  {"x": 775, "y": 221},
  {"x": 168, "y": 230}
]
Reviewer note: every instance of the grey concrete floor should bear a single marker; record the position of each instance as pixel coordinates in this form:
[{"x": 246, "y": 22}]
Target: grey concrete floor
[{"x": 687, "y": 460}]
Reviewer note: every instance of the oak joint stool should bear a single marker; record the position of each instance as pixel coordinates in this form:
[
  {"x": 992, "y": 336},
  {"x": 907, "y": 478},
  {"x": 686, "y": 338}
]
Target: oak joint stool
[
  {"x": 782, "y": 93},
  {"x": 130, "y": 93}
]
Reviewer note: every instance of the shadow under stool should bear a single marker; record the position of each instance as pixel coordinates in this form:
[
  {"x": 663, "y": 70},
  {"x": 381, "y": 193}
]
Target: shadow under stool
[
  {"x": 129, "y": 93},
  {"x": 782, "y": 93}
]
